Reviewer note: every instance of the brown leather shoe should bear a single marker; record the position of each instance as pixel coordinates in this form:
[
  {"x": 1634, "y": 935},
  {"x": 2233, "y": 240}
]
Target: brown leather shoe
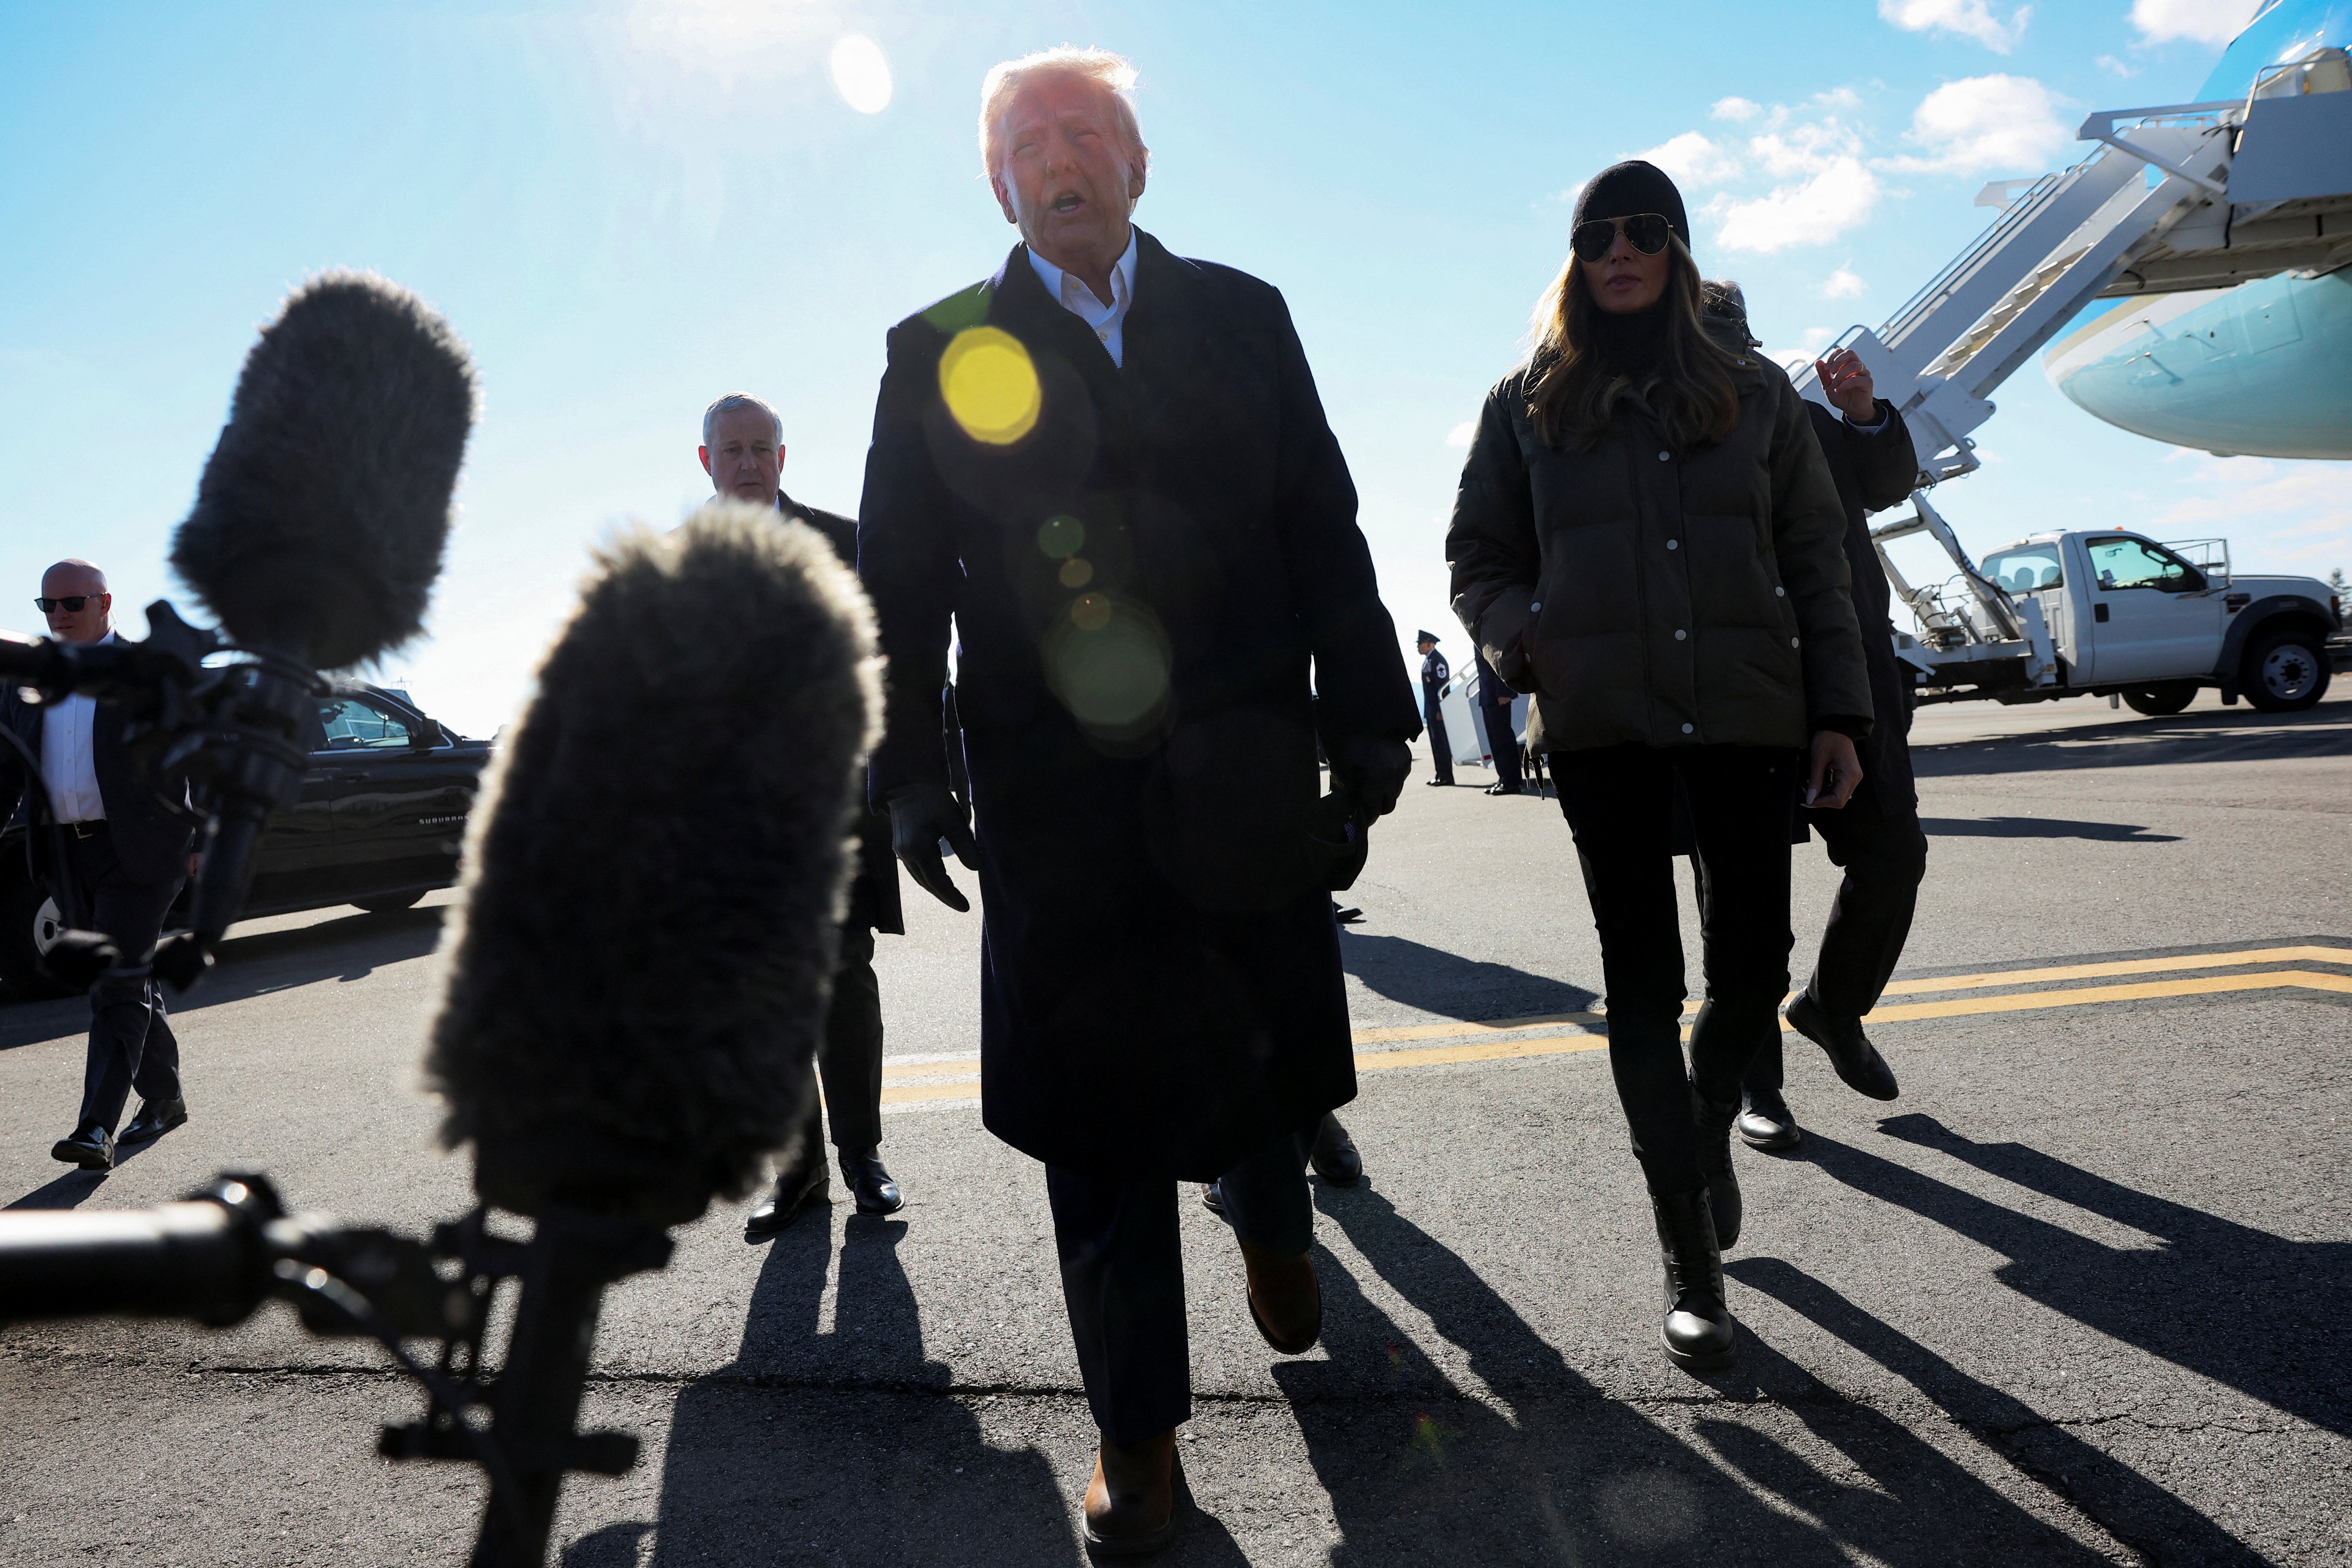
[
  {"x": 1132, "y": 1502},
  {"x": 1285, "y": 1301}
]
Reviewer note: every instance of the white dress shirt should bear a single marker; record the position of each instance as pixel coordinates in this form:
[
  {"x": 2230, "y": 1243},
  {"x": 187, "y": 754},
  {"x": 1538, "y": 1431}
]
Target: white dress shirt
[
  {"x": 1108, "y": 321},
  {"x": 68, "y": 767}
]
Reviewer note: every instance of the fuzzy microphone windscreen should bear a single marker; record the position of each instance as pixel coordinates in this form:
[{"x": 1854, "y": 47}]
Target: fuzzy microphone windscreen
[
  {"x": 321, "y": 518},
  {"x": 655, "y": 879}
]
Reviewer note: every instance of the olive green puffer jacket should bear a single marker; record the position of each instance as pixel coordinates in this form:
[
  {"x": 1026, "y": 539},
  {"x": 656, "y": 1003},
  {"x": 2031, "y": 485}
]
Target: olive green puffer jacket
[{"x": 1649, "y": 598}]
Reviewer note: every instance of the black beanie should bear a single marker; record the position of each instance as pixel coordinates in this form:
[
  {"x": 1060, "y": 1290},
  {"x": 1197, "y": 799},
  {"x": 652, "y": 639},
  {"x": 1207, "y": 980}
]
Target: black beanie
[{"x": 1633, "y": 186}]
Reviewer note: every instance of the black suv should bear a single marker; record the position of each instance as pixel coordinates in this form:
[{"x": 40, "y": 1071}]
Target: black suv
[{"x": 380, "y": 823}]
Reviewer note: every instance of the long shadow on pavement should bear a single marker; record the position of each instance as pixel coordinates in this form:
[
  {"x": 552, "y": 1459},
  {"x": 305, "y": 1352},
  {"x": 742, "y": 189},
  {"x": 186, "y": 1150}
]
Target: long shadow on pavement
[
  {"x": 1447, "y": 983},
  {"x": 2042, "y": 827},
  {"x": 765, "y": 1466},
  {"x": 2132, "y": 1508},
  {"x": 1563, "y": 1473},
  {"x": 2237, "y": 1305},
  {"x": 2226, "y": 735}
]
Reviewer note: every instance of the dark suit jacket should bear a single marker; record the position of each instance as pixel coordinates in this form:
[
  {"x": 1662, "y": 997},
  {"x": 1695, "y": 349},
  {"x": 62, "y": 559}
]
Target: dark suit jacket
[
  {"x": 874, "y": 892},
  {"x": 151, "y": 842},
  {"x": 1142, "y": 566},
  {"x": 1873, "y": 472}
]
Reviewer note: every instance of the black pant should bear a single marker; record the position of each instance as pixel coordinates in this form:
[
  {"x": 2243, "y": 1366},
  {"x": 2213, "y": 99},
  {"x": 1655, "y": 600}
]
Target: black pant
[
  {"x": 1885, "y": 853},
  {"x": 849, "y": 1060},
  {"x": 1123, "y": 1275},
  {"x": 1495, "y": 709},
  {"x": 1619, "y": 802},
  {"x": 1441, "y": 750},
  {"x": 130, "y": 1041}
]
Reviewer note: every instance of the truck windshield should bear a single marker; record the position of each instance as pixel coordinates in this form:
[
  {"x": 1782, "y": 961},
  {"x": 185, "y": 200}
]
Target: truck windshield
[
  {"x": 2128, "y": 562},
  {"x": 2026, "y": 568}
]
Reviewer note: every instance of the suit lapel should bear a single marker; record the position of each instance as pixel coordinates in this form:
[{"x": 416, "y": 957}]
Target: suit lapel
[{"x": 1163, "y": 333}]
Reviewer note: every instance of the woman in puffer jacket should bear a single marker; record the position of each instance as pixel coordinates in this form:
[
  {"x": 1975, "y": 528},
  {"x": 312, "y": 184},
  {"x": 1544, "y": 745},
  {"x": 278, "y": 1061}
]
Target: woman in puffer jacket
[{"x": 1648, "y": 540}]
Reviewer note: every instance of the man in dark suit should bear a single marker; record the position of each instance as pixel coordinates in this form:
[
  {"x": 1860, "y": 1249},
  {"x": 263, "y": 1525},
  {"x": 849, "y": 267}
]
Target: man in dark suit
[
  {"x": 1877, "y": 838},
  {"x": 1501, "y": 740},
  {"x": 114, "y": 857},
  {"x": 1435, "y": 673},
  {"x": 1108, "y": 467},
  {"x": 743, "y": 452}
]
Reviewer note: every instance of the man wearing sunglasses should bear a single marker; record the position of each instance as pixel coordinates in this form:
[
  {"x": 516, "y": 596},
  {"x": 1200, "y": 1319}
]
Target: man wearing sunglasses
[{"x": 114, "y": 860}]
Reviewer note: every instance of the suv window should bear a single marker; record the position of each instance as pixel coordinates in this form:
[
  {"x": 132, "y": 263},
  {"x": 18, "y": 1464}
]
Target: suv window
[
  {"x": 2119, "y": 564},
  {"x": 2023, "y": 569},
  {"x": 352, "y": 725}
]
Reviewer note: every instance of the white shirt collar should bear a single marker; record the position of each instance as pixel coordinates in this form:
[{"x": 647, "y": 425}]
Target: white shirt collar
[{"x": 1073, "y": 293}]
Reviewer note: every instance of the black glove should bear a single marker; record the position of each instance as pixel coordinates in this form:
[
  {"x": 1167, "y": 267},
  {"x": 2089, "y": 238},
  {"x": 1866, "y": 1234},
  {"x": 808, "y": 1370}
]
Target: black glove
[
  {"x": 920, "y": 815},
  {"x": 1374, "y": 768}
]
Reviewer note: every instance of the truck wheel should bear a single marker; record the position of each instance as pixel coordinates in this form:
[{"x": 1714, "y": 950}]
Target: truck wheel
[
  {"x": 2285, "y": 671},
  {"x": 390, "y": 902},
  {"x": 2166, "y": 696},
  {"x": 29, "y": 923}
]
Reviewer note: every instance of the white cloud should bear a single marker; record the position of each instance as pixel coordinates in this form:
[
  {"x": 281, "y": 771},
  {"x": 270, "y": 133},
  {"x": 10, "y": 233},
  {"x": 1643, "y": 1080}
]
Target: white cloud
[
  {"x": 1969, "y": 18},
  {"x": 1809, "y": 212},
  {"x": 2116, "y": 68},
  {"x": 1462, "y": 433},
  {"x": 1842, "y": 284},
  {"x": 2202, "y": 21},
  {"x": 736, "y": 40},
  {"x": 1735, "y": 109},
  {"x": 1983, "y": 122},
  {"x": 2277, "y": 515},
  {"x": 1693, "y": 159}
]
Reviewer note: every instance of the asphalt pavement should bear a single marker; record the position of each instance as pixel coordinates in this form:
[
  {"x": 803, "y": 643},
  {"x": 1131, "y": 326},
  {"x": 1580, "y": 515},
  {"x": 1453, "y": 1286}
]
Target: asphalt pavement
[{"x": 2072, "y": 1298}]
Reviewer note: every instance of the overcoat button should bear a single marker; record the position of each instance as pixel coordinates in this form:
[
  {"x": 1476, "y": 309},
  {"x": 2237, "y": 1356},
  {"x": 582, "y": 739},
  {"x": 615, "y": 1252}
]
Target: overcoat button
[{"x": 1686, "y": 729}]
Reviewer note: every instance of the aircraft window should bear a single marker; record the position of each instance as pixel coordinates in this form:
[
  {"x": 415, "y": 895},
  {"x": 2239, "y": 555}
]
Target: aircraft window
[
  {"x": 2024, "y": 571},
  {"x": 2128, "y": 563},
  {"x": 352, "y": 725}
]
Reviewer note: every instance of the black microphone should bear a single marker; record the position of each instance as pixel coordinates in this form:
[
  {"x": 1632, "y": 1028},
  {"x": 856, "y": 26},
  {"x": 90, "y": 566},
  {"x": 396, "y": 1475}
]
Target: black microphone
[{"x": 318, "y": 530}]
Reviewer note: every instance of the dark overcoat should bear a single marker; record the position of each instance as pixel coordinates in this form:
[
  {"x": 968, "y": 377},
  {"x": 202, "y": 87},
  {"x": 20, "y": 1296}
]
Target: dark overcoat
[
  {"x": 152, "y": 839},
  {"x": 874, "y": 892},
  {"x": 1151, "y": 572},
  {"x": 1873, "y": 472}
]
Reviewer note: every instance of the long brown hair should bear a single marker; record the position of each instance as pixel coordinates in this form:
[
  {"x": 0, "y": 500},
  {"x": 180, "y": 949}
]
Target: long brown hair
[{"x": 1575, "y": 390}]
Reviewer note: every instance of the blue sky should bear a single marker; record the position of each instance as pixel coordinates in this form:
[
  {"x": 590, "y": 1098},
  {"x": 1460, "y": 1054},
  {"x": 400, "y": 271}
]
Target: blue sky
[{"x": 630, "y": 208}]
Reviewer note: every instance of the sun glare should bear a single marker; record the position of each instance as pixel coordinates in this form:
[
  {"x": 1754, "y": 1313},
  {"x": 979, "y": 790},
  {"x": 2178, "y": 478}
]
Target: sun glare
[
  {"x": 990, "y": 386},
  {"x": 861, "y": 74}
]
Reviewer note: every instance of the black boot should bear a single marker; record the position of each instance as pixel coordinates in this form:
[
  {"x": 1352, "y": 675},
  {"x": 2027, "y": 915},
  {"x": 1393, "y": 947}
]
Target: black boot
[
  {"x": 1697, "y": 1332},
  {"x": 1767, "y": 1122},
  {"x": 1857, "y": 1061},
  {"x": 1715, "y": 1164}
]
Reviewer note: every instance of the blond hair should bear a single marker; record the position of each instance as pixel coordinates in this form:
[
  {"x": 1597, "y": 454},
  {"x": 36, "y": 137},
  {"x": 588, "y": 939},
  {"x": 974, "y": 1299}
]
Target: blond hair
[{"x": 1007, "y": 81}]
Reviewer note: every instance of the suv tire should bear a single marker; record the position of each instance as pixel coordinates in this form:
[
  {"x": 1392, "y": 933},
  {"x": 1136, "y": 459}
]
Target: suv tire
[
  {"x": 2162, "y": 699},
  {"x": 24, "y": 909},
  {"x": 2285, "y": 671}
]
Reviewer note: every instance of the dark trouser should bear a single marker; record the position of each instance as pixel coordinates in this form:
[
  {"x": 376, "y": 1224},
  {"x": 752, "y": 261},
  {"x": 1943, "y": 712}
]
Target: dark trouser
[
  {"x": 1123, "y": 1275},
  {"x": 1502, "y": 744},
  {"x": 1885, "y": 853},
  {"x": 1619, "y": 802},
  {"x": 1441, "y": 750},
  {"x": 130, "y": 1041},
  {"x": 850, "y": 1059}
]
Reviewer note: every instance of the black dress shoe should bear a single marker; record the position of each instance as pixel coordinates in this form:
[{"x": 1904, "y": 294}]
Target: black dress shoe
[
  {"x": 91, "y": 1147},
  {"x": 1697, "y": 1331},
  {"x": 1347, "y": 916},
  {"x": 1714, "y": 1164},
  {"x": 1437, "y": 784},
  {"x": 1857, "y": 1061},
  {"x": 1335, "y": 1157},
  {"x": 1500, "y": 789},
  {"x": 796, "y": 1191},
  {"x": 156, "y": 1118},
  {"x": 1213, "y": 1198},
  {"x": 1767, "y": 1122},
  {"x": 869, "y": 1184}
]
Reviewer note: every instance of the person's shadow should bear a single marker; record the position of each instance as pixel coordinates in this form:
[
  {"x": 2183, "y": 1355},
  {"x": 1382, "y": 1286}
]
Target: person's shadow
[
  {"x": 839, "y": 1441},
  {"x": 1447, "y": 983},
  {"x": 1550, "y": 1468}
]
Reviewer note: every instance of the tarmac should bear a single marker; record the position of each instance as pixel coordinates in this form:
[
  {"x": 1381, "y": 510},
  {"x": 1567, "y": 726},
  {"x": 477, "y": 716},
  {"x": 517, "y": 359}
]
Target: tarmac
[{"x": 2071, "y": 1299}]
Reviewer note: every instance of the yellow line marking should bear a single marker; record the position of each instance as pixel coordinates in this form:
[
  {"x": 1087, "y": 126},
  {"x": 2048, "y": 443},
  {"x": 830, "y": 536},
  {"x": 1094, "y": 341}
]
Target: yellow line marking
[
  {"x": 1955, "y": 1008},
  {"x": 2125, "y": 966},
  {"x": 1488, "y": 1026}
]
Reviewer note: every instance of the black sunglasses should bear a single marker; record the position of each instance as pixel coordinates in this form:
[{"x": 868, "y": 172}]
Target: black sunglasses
[
  {"x": 1593, "y": 239},
  {"x": 71, "y": 603}
]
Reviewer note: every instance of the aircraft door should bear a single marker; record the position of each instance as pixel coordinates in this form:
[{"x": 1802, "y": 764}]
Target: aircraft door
[{"x": 2153, "y": 615}]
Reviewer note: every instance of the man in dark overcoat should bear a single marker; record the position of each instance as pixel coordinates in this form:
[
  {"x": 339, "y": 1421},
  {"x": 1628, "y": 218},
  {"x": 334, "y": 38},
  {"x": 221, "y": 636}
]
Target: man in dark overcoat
[
  {"x": 1109, "y": 467},
  {"x": 113, "y": 854},
  {"x": 743, "y": 452},
  {"x": 1876, "y": 839}
]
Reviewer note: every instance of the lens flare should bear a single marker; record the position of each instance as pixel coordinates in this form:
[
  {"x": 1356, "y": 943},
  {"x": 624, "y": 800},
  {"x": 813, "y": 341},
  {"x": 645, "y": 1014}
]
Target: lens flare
[
  {"x": 860, "y": 74},
  {"x": 990, "y": 385}
]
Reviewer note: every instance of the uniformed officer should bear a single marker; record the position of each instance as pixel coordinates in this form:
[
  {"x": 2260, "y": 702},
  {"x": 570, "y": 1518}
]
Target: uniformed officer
[{"x": 1434, "y": 677}]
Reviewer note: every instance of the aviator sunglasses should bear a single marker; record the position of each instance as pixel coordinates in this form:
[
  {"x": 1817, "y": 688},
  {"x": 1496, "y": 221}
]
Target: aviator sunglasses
[
  {"x": 1647, "y": 232},
  {"x": 71, "y": 604}
]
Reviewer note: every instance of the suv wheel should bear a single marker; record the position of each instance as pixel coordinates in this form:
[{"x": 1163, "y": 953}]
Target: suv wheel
[
  {"x": 2285, "y": 671},
  {"x": 2166, "y": 696},
  {"x": 29, "y": 924}
]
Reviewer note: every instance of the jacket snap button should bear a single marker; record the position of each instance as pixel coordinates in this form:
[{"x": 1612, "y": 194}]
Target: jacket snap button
[
  {"x": 1674, "y": 544},
  {"x": 1686, "y": 729},
  {"x": 1536, "y": 606},
  {"x": 1680, "y": 635},
  {"x": 1792, "y": 642},
  {"x": 1665, "y": 457},
  {"x": 1780, "y": 593}
]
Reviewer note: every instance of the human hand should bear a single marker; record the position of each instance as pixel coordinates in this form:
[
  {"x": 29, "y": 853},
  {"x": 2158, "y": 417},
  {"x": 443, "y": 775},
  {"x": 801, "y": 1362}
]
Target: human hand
[
  {"x": 1374, "y": 768},
  {"x": 1835, "y": 773},
  {"x": 1846, "y": 382},
  {"x": 196, "y": 862},
  {"x": 920, "y": 815}
]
